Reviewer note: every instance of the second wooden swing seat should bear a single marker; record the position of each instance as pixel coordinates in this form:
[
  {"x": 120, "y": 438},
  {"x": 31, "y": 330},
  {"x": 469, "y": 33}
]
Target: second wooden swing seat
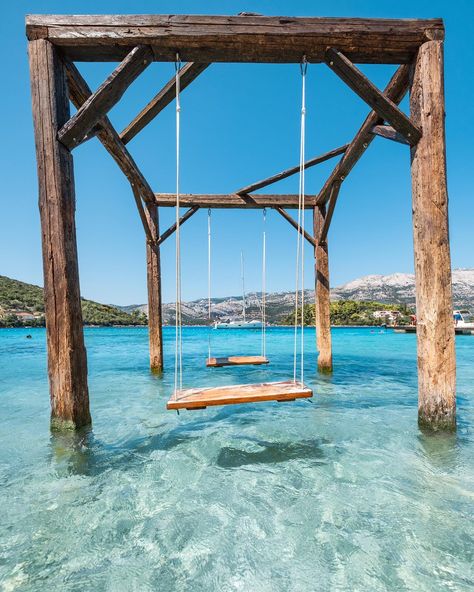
[
  {"x": 200, "y": 398},
  {"x": 236, "y": 361}
]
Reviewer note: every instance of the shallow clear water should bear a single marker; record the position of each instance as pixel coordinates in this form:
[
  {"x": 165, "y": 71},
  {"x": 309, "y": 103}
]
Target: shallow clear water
[{"x": 340, "y": 493}]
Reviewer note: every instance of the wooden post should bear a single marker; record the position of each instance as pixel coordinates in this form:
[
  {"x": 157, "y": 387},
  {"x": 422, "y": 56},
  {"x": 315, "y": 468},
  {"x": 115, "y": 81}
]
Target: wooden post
[
  {"x": 322, "y": 300},
  {"x": 435, "y": 327},
  {"x": 153, "y": 268},
  {"x": 67, "y": 362}
]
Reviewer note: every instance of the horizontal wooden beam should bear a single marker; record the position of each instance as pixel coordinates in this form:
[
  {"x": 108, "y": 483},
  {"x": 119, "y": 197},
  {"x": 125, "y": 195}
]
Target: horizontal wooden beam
[
  {"x": 395, "y": 90},
  {"x": 232, "y": 200},
  {"x": 167, "y": 233},
  {"x": 387, "y": 131},
  {"x": 205, "y": 38},
  {"x": 79, "y": 92},
  {"x": 293, "y": 222},
  {"x": 380, "y": 103},
  {"x": 330, "y": 211},
  {"x": 288, "y": 172},
  {"x": 187, "y": 74},
  {"x": 105, "y": 97}
]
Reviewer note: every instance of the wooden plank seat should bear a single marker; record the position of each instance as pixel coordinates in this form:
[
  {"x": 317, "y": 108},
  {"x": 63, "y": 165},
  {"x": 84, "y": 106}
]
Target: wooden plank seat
[
  {"x": 200, "y": 398},
  {"x": 236, "y": 361}
]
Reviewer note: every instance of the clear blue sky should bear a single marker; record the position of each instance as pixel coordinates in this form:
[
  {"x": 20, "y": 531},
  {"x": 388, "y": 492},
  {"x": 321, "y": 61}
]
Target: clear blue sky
[{"x": 240, "y": 123}]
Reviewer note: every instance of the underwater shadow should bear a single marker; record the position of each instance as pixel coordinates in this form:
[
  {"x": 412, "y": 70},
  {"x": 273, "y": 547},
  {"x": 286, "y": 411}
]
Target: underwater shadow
[
  {"x": 271, "y": 453},
  {"x": 80, "y": 453}
]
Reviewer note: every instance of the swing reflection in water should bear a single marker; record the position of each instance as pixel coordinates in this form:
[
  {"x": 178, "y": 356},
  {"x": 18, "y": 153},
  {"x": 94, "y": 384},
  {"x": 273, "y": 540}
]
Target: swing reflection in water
[{"x": 289, "y": 390}]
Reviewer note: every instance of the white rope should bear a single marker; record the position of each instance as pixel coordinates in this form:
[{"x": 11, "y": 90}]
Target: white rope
[
  {"x": 209, "y": 280},
  {"x": 178, "y": 361},
  {"x": 264, "y": 286},
  {"x": 300, "y": 231}
]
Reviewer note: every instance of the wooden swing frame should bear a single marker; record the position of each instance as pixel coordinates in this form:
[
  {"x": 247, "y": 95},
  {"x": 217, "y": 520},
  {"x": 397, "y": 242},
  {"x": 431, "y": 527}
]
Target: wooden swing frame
[{"x": 416, "y": 45}]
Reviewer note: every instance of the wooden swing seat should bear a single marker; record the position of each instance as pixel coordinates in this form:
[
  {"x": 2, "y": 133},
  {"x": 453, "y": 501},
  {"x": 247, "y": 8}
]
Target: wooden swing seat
[
  {"x": 200, "y": 398},
  {"x": 236, "y": 361}
]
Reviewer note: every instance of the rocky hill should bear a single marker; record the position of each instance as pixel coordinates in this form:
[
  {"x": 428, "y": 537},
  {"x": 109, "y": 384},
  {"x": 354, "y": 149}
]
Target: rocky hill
[{"x": 397, "y": 288}]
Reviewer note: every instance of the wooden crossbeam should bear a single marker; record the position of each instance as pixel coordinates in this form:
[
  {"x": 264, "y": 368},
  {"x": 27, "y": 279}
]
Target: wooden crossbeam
[
  {"x": 293, "y": 222},
  {"x": 79, "y": 92},
  {"x": 167, "y": 233},
  {"x": 206, "y": 38},
  {"x": 387, "y": 131},
  {"x": 188, "y": 73},
  {"x": 367, "y": 91},
  {"x": 108, "y": 94},
  {"x": 233, "y": 200},
  {"x": 395, "y": 91},
  {"x": 293, "y": 170},
  {"x": 330, "y": 211}
]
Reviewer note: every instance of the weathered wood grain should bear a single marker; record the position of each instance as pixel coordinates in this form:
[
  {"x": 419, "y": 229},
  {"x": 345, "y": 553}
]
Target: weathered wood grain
[
  {"x": 334, "y": 194},
  {"x": 153, "y": 274},
  {"x": 395, "y": 90},
  {"x": 322, "y": 307},
  {"x": 380, "y": 103},
  {"x": 387, "y": 131},
  {"x": 187, "y": 74},
  {"x": 105, "y": 97},
  {"x": 198, "y": 398},
  {"x": 205, "y": 39},
  {"x": 167, "y": 233},
  {"x": 435, "y": 327},
  {"x": 293, "y": 170},
  {"x": 79, "y": 92},
  {"x": 232, "y": 200},
  {"x": 294, "y": 223},
  {"x": 67, "y": 362}
]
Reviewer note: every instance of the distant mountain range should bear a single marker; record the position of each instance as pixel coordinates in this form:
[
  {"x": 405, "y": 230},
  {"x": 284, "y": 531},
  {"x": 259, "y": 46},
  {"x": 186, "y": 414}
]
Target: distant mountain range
[{"x": 397, "y": 288}]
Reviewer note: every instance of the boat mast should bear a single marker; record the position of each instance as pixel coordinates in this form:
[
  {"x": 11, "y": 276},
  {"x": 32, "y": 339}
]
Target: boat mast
[{"x": 243, "y": 281}]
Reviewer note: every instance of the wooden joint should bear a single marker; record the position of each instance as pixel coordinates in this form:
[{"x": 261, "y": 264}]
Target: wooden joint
[
  {"x": 99, "y": 103},
  {"x": 363, "y": 87},
  {"x": 387, "y": 131}
]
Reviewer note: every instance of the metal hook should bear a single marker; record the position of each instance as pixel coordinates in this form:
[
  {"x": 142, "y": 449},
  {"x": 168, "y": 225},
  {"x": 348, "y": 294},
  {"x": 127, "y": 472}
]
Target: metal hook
[
  {"x": 177, "y": 63},
  {"x": 303, "y": 65}
]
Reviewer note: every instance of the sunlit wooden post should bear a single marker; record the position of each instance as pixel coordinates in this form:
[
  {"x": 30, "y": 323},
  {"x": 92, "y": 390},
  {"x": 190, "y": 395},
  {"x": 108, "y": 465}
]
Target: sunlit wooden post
[
  {"x": 322, "y": 293},
  {"x": 435, "y": 327},
  {"x": 155, "y": 332},
  {"x": 67, "y": 363}
]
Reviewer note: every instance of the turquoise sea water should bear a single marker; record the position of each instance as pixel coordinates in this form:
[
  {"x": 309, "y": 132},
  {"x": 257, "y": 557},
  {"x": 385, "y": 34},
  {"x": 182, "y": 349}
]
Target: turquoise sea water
[{"x": 342, "y": 493}]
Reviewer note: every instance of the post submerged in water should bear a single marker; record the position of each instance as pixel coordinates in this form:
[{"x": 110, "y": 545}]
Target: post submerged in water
[
  {"x": 435, "y": 327},
  {"x": 322, "y": 310},
  {"x": 67, "y": 362},
  {"x": 155, "y": 332}
]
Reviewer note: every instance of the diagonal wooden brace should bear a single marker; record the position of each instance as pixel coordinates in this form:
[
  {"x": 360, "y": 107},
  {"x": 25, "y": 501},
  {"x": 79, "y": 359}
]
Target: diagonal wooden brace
[
  {"x": 167, "y": 233},
  {"x": 380, "y": 103},
  {"x": 79, "y": 92},
  {"x": 187, "y": 74},
  {"x": 293, "y": 222},
  {"x": 330, "y": 211},
  {"x": 108, "y": 94},
  {"x": 395, "y": 91}
]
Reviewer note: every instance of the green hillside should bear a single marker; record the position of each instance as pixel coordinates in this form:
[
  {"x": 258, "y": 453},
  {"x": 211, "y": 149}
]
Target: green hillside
[
  {"x": 352, "y": 312},
  {"x": 22, "y": 304}
]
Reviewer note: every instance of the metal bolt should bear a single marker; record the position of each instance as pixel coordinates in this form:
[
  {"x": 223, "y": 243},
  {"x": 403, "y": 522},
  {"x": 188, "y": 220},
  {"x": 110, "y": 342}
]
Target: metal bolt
[
  {"x": 331, "y": 63},
  {"x": 365, "y": 144}
]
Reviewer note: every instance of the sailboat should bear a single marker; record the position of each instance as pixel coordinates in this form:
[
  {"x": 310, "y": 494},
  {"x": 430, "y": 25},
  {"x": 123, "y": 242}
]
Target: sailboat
[{"x": 240, "y": 324}]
